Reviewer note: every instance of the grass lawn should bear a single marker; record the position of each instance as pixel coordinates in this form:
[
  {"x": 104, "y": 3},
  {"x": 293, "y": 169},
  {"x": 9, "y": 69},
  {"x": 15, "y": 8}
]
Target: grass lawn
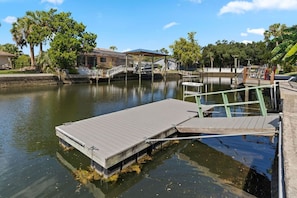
[{"x": 16, "y": 71}]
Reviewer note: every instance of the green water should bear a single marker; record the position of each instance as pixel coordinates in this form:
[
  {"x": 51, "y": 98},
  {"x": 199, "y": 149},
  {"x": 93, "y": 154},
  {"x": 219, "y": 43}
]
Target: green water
[{"x": 32, "y": 164}]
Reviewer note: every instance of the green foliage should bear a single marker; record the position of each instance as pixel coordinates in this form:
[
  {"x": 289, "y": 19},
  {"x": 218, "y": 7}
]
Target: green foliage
[
  {"x": 186, "y": 51},
  {"x": 113, "y": 48},
  {"x": 292, "y": 51},
  {"x": 10, "y": 48},
  {"x": 275, "y": 33},
  {"x": 163, "y": 50},
  {"x": 72, "y": 70},
  {"x": 287, "y": 68},
  {"x": 285, "y": 50},
  {"x": 68, "y": 37},
  {"x": 70, "y": 40},
  {"x": 22, "y": 61},
  {"x": 222, "y": 54},
  {"x": 44, "y": 63}
]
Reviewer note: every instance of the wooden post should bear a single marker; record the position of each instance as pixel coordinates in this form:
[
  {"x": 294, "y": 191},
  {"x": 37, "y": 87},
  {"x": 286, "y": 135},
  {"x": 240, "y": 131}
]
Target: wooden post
[
  {"x": 246, "y": 97},
  {"x": 245, "y": 74},
  {"x": 165, "y": 59},
  {"x": 126, "y": 68},
  {"x": 152, "y": 69},
  {"x": 139, "y": 67},
  {"x": 272, "y": 77}
]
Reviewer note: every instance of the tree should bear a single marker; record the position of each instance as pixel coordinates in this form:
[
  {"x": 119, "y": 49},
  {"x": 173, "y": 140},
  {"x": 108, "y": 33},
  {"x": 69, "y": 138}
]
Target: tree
[
  {"x": 285, "y": 53},
  {"x": 291, "y": 50},
  {"x": 20, "y": 31},
  {"x": 41, "y": 27},
  {"x": 69, "y": 41},
  {"x": 275, "y": 32},
  {"x": 113, "y": 48},
  {"x": 222, "y": 53},
  {"x": 164, "y": 51},
  {"x": 186, "y": 51},
  {"x": 10, "y": 48}
]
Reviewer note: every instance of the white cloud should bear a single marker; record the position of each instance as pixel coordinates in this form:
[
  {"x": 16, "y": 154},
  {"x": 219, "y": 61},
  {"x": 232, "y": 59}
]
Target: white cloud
[
  {"x": 169, "y": 25},
  {"x": 55, "y": 2},
  {"x": 10, "y": 19},
  {"x": 240, "y": 7},
  {"x": 259, "y": 31},
  {"x": 243, "y": 34},
  {"x": 246, "y": 41},
  {"x": 195, "y": 1}
]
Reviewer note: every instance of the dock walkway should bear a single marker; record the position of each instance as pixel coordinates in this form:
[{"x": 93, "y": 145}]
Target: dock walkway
[
  {"x": 264, "y": 125},
  {"x": 111, "y": 139}
]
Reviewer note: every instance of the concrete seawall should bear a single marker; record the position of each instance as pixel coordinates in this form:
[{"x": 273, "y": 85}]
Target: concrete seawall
[
  {"x": 17, "y": 80},
  {"x": 289, "y": 97}
]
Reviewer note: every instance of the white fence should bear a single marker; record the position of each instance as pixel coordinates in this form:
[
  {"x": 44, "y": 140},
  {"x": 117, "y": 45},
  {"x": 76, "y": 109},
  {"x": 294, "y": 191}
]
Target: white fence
[{"x": 223, "y": 70}]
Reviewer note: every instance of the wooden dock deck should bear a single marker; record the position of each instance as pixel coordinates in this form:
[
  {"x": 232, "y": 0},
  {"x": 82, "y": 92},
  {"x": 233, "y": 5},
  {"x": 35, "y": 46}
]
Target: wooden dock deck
[
  {"x": 111, "y": 140},
  {"x": 264, "y": 125}
]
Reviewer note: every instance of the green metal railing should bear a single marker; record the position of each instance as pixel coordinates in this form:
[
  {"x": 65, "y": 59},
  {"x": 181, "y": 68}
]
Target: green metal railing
[{"x": 227, "y": 105}]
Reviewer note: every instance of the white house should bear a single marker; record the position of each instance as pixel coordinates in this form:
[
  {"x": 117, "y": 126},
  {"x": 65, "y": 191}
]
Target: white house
[{"x": 5, "y": 60}]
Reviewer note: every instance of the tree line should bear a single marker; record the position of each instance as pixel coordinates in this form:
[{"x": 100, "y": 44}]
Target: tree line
[
  {"x": 68, "y": 39},
  {"x": 278, "y": 48}
]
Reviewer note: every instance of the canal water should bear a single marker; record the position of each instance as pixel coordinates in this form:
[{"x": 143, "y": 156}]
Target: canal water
[{"x": 32, "y": 164}]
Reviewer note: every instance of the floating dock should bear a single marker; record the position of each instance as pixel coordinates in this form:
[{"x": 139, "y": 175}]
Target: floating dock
[{"x": 114, "y": 141}]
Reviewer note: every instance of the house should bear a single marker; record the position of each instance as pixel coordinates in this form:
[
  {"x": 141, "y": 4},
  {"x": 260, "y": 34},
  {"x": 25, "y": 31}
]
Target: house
[
  {"x": 5, "y": 60},
  {"x": 102, "y": 58}
]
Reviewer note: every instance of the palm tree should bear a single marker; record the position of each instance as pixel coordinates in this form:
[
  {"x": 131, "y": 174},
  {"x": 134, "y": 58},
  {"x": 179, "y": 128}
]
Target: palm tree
[
  {"x": 291, "y": 45},
  {"x": 113, "y": 48},
  {"x": 275, "y": 31},
  {"x": 20, "y": 31},
  {"x": 42, "y": 27}
]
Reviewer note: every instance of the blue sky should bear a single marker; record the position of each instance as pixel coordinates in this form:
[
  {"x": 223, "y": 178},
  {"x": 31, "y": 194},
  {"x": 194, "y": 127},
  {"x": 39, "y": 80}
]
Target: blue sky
[{"x": 156, "y": 24}]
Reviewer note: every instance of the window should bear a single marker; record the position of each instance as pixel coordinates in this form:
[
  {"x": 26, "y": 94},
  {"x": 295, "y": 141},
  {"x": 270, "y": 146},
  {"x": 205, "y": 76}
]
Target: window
[{"x": 102, "y": 59}]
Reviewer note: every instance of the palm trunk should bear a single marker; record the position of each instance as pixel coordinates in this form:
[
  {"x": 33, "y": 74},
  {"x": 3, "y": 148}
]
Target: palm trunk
[
  {"x": 32, "y": 55},
  {"x": 40, "y": 49}
]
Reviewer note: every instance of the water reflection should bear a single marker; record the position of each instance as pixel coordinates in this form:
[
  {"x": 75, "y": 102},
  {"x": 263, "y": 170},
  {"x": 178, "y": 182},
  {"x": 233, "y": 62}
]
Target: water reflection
[{"x": 29, "y": 148}]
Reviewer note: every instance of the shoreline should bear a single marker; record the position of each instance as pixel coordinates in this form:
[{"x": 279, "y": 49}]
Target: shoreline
[{"x": 40, "y": 79}]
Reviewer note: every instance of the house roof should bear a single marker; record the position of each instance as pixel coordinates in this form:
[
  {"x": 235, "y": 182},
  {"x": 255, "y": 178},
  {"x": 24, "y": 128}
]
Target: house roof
[
  {"x": 6, "y": 54},
  {"x": 145, "y": 52},
  {"x": 106, "y": 52}
]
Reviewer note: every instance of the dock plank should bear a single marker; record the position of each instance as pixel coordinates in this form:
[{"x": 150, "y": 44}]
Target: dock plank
[{"x": 223, "y": 125}]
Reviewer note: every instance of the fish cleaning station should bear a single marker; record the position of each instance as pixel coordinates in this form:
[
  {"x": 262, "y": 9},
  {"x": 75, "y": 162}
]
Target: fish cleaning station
[{"x": 116, "y": 140}]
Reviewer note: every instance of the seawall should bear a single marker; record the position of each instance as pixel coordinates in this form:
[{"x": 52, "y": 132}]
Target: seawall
[{"x": 17, "y": 80}]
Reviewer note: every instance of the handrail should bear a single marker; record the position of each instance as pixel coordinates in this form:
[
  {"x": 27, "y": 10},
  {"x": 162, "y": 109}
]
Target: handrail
[
  {"x": 115, "y": 70},
  {"x": 235, "y": 90},
  {"x": 227, "y": 104},
  {"x": 194, "y": 85}
]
